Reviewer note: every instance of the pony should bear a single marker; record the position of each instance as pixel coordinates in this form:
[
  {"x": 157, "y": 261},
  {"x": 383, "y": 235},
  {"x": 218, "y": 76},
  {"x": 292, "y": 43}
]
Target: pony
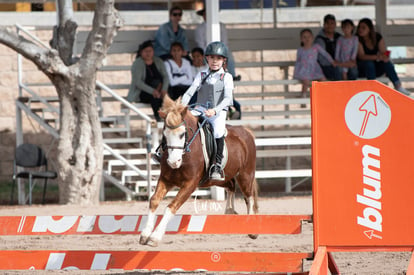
[{"x": 183, "y": 166}]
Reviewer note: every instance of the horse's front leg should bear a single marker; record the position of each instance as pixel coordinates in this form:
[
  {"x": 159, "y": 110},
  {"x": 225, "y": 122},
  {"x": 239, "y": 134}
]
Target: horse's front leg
[
  {"x": 159, "y": 194},
  {"x": 183, "y": 194}
]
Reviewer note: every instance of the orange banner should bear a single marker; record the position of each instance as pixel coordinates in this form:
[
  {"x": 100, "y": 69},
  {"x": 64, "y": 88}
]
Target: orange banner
[
  {"x": 131, "y": 224},
  {"x": 168, "y": 260},
  {"x": 362, "y": 150}
]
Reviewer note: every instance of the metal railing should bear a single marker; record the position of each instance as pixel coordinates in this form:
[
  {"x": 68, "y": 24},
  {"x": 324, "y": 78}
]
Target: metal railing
[{"x": 33, "y": 96}]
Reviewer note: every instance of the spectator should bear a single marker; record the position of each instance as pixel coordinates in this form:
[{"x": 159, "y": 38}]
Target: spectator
[
  {"x": 201, "y": 40},
  {"x": 346, "y": 51},
  {"x": 199, "y": 64},
  {"x": 179, "y": 70},
  {"x": 149, "y": 80},
  {"x": 373, "y": 59},
  {"x": 170, "y": 32},
  {"x": 307, "y": 67},
  {"x": 327, "y": 38}
]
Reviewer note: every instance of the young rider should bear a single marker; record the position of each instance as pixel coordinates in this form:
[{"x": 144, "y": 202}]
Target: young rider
[{"x": 215, "y": 94}]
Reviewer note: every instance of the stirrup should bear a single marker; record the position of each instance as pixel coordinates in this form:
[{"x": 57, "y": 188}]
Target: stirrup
[{"x": 216, "y": 173}]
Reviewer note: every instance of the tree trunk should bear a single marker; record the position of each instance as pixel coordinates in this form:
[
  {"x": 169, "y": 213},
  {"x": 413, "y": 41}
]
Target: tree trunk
[{"x": 80, "y": 148}]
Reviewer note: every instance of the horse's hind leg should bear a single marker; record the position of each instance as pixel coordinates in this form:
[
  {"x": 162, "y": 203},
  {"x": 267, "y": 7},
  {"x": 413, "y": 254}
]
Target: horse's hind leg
[
  {"x": 231, "y": 191},
  {"x": 159, "y": 194},
  {"x": 248, "y": 186},
  {"x": 250, "y": 194}
]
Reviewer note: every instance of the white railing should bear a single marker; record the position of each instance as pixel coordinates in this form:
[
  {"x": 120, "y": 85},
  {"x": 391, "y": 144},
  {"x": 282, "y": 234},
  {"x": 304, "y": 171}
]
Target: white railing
[{"x": 20, "y": 106}]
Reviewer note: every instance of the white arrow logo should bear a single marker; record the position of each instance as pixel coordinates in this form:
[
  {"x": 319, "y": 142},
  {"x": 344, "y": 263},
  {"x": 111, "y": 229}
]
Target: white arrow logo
[
  {"x": 367, "y": 115},
  {"x": 370, "y": 234}
]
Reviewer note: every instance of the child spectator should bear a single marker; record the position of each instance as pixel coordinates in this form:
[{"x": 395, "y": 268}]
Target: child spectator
[
  {"x": 179, "y": 70},
  {"x": 307, "y": 67},
  {"x": 199, "y": 64},
  {"x": 347, "y": 50}
]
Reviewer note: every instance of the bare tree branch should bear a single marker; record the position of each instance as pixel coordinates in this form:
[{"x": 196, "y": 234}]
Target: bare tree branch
[
  {"x": 65, "y": 32},
  {"x": 47, "y": 60},
  {"x": 106, "y": 22},
  {"x": 65, "y": 11}
]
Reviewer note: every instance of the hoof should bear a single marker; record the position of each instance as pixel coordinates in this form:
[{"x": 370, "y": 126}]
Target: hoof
[
  {"x": 253, "y": 236},
  {"x": 230, "y": 211},
  {"x": 152, "y": 242},
  {"x": 143, "y": 240}
]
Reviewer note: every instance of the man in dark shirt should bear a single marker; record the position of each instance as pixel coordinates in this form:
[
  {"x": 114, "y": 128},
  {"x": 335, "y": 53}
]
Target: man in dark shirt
[{"x": 327, "y": 38}]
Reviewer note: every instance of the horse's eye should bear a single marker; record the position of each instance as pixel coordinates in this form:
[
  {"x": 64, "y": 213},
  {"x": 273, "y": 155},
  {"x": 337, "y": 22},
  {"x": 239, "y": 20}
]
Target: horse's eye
[{"x": 182, "y": 135}]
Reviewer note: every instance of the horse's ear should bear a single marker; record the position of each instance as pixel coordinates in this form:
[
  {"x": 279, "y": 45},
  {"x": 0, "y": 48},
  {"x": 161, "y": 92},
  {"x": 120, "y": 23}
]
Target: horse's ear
[
  {"x": 184, "y": 111},
  {"x": 167, "y": 101},
  {"x": 162, "y": 114}
]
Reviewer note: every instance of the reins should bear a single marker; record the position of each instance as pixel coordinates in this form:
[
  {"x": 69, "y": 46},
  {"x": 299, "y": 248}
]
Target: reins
[
  {"x": 187, "y": 149},
  {"x": 187, "y": 145},
  {"x": 201, "y": 125}
]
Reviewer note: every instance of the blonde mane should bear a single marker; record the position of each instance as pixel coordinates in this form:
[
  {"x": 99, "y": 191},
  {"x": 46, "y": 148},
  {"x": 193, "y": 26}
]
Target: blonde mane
[{"x": 173, "y": 110}]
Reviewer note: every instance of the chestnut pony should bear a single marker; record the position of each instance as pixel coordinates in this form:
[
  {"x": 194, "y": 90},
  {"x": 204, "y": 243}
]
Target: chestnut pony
[{"x": 183, "y": 166}]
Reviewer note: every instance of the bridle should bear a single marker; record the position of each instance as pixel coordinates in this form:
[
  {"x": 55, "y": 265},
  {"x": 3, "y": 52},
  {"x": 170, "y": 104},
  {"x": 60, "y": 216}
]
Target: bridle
[{"x": 187, "y": 143}]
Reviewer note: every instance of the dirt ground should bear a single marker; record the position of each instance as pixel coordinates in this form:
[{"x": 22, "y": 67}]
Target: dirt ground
[{"x": 348, "y": 263}]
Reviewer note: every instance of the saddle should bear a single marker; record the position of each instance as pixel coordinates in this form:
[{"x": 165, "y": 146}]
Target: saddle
[{"x": 209, "y": 144}]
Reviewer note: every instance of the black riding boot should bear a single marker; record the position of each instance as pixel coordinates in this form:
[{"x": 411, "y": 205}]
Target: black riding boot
[
  {"x": 216, "y": 171},
  {"x": 158, "y": 152}
]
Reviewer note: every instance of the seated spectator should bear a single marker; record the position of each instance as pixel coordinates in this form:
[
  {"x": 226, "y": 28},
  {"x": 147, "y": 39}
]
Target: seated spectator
[
  {"x": 373, "y": 60},
  {"x": 179, "y": 70},
  {"x": 307, "y": 67},
  {"x": 149, "y": 80},
  {"x": 199, "y": 64},
  {"x": 327, "y": 38},
  {"x": 170, "y": 32},
  {"x": 346, "y": 51}
]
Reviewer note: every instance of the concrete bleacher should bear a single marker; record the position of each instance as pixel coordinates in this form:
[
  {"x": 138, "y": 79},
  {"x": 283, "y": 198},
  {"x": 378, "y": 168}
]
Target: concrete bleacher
[
  {"x": 270, "y": 105},
  {"x": 267, "y": 93}
]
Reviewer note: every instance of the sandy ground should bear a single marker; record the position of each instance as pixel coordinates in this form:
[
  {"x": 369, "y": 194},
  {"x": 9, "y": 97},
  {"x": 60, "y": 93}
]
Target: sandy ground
[{"x": 348, "y": 263}]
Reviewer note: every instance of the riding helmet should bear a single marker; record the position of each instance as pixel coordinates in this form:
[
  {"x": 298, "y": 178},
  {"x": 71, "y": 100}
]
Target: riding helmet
[{"x": 217, "y": 48}]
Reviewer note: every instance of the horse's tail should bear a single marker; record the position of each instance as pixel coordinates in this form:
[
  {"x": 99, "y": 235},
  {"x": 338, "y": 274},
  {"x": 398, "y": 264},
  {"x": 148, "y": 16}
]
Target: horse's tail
[{"x": 255, "y": 190}]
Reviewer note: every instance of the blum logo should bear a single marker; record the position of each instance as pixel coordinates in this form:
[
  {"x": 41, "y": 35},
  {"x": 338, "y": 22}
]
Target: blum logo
[{"x": 371, "y": 217}]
